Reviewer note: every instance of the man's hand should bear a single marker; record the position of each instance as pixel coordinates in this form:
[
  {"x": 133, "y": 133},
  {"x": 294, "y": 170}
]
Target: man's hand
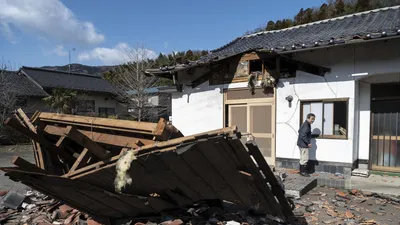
[{"x": 309, "y": 145}]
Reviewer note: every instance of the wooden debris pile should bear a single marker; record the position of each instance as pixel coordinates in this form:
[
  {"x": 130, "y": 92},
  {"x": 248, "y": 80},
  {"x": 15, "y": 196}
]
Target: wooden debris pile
[
  {"x": 170, "y": 174},
  {"x": 64, "y": 144}
]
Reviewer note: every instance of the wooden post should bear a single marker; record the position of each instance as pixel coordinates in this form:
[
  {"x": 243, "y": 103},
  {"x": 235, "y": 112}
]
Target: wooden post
[
  {"x": 25, "y": 165},
  {"x": 36, "y": 146},
  {"x": 86, "y": 142}
]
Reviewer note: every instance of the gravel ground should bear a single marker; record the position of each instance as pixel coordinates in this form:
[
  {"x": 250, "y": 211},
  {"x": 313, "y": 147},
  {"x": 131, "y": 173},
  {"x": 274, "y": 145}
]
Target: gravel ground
[
  {"x": 6, "y": 155},
  {"x": 331, "y": 206}
]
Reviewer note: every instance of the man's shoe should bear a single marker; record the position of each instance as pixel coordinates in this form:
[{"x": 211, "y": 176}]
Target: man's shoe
[{"x": 303, "y": 171}]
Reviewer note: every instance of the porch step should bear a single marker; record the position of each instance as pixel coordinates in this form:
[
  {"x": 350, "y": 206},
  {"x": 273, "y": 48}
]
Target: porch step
[
  {"x": 360, "y": 173},
  {"x": 297, "y": 186}
]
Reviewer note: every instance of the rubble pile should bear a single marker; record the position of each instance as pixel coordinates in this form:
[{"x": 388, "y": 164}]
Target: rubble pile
[
  {"x": 330, "y": 206},
  {"x": 35, "y": 208},
  {"x": 117, "y": 169}
]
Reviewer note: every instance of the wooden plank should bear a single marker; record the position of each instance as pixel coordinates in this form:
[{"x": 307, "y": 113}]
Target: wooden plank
[
  {"x": 86, "y": 142},
  {"x": 26, "y": 166},
  {"x": 80, "y": 161},
  {"x": 103, "y": 138},
  {"x": 60, "y": 141},
  {"x": 26, "y": 120},
  {"x": 226, "y": 168},
  {"x": 97, "y": 121},
  {"x": 14, "y": 123},
  {"x": 209, "y": 175},
  {"x": 187, "y": 175},
  {"x": 271, "y": 205},
  {"x": 35, "y": 154},
  {"x": 275, "y": 186},
  {"x": 40, "y": 155},
  {"x": 92, "y": 166}
]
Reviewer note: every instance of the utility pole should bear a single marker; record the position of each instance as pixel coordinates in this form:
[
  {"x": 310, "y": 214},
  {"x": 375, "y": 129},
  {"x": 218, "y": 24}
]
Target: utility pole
[{"x": 69, "y": 59}]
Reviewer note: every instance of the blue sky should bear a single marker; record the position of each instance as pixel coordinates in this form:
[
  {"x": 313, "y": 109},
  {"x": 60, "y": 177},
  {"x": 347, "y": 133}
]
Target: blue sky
[{"x": 40, "y": 32}]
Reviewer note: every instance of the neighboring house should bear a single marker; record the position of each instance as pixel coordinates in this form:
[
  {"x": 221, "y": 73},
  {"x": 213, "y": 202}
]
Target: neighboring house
[
  {"x": 345, "y": 70},
  {"x": 158, "y": 102},
  {"x": 25, "y": 89},
  {"x": 96, "y": 94}
]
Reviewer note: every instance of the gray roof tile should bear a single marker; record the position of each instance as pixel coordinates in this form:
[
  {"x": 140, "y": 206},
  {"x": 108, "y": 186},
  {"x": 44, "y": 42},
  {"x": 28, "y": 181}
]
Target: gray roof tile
[
  {"x": 23, "y": 85},
  {"x": 342, "y": 28},
  {"x": 76, "y": 81}
]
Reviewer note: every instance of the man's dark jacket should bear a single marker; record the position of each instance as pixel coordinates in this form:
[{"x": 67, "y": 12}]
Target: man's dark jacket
[{"x": 304, "y": 135}]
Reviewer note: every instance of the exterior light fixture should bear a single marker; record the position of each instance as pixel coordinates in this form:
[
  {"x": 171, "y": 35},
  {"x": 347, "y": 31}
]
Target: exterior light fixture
[
  {"x": 293, "y": 47},
  {"x": 289, "y": 98},
  {"x": 331, "y": 42},
  {"x": 368, "y": 36},
  {"x": 316, "y": 43},
  {"x": 384, "y": 34},
  {"x": 303, "y": 45},
  {"x": 283, "y": 48}
]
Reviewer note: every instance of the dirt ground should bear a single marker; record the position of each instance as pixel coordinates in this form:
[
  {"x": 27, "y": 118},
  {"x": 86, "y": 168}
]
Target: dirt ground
[
  {"x": 6, "y": 155},
  {"x": 331, "y": 206}
]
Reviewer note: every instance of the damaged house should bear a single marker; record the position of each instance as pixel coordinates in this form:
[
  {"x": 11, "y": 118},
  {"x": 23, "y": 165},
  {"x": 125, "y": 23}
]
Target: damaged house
[{"x": 345, "y": 70}]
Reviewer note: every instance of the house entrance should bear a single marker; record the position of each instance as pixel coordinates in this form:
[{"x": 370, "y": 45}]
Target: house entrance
[
  {"x": 385, "y": 127},
  {"x": 253, "y": 114}
]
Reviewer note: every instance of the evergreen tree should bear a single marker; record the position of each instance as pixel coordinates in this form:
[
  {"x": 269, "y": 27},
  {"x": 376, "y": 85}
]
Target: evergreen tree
[
  {"x": 270, "y": 25},
  {"x": 189, "y": 55},
  {"x": 339, "y": 7},
  {"x": 363, "y": 5},
  {"x": 322, "y": 13},
  {"x": 278, "y": 25},
  {"x": 299, "y": 18},
  {"x": 308, "y": 16}
]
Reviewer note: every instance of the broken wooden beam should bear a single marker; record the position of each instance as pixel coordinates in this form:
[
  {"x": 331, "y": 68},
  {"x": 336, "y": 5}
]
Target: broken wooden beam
[
  {"x": 25, "y": 165},
  {"x": 73, "y": 134},
  {"x": 103, "y": 138},
  {"x": 15, "y": 124},
  {"x": 81, "y": 161}
]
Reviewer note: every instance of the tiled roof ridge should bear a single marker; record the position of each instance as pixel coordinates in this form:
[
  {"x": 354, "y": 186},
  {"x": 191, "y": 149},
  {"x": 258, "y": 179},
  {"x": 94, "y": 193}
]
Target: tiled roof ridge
[
  {"x": 307, "y": 24},
  {"x": 63, "y": 72}
]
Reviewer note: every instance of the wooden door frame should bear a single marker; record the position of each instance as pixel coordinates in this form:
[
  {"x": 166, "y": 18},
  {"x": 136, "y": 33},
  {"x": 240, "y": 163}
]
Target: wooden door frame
[{"x": 267, "y": 100}]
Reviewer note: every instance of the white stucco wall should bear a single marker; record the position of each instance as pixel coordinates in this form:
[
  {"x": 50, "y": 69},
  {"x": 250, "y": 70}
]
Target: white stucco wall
[
  {"x": 376, "y": 59},
  {"x": 201, "y": 109}
]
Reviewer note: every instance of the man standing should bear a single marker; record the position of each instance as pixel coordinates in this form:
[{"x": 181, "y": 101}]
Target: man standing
[{"x": 304, "y": 143}]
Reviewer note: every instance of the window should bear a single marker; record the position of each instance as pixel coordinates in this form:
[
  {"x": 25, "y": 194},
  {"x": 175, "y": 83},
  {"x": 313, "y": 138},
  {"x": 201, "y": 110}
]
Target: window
[
  {"x": 106, "y": 112},
  {"x": 255, "y": 66},
  {"x": 330, "y": 117},
  {"x": 85, "y": 107}
]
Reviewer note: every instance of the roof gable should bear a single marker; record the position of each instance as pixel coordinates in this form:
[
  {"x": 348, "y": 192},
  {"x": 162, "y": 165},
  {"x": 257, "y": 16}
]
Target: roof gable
[{"x": 76, "y": 81}]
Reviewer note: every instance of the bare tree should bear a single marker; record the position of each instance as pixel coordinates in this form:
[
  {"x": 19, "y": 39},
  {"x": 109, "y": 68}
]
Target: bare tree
[
  {"x": 134, "y": 87},
  {"x": 8, "y": 96}
]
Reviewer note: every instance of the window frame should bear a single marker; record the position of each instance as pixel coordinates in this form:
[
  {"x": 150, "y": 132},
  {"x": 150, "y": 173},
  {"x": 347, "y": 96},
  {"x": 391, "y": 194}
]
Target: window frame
[
  {"x": 106, "y": 109},
  {"x": 322, "y": 136}
]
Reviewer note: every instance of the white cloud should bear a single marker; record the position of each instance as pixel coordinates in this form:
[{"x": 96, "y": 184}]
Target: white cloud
[
  {"x": 60, "y": 51},
  {"x": 121, "y": 53},
  {"x": 46, "y": 18}
]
